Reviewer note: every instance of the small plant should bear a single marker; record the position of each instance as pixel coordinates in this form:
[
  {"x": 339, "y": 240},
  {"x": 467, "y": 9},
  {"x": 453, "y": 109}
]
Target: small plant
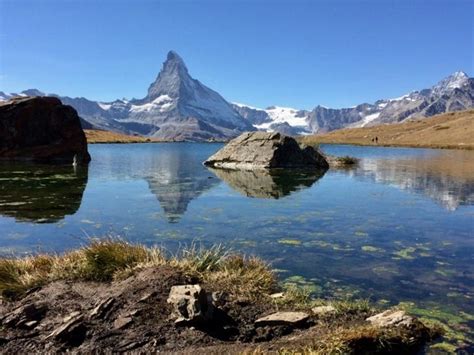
[
  {"x": 347, "y": 160},
  {"x": 200, "y": 259}
]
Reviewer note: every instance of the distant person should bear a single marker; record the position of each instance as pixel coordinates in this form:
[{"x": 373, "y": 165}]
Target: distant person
[{"x": 376, "y": 140}]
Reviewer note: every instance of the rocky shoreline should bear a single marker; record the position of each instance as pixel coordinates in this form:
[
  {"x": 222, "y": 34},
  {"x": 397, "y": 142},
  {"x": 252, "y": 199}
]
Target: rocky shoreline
[{"x": 111, "y": 296}]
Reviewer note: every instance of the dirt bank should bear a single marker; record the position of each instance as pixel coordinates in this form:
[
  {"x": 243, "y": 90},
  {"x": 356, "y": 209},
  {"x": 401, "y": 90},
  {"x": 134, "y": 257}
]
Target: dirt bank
[{"x": 134, "y": 311}]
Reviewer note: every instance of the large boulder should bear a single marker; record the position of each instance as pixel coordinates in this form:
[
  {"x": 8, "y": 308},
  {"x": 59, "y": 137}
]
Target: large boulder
[
  {"x": 262, "y": 150},
  {"x": 41, "y": 129}
]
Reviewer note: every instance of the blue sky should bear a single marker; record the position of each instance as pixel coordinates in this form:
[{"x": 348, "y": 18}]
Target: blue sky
[{"x": 287, "y": 53}]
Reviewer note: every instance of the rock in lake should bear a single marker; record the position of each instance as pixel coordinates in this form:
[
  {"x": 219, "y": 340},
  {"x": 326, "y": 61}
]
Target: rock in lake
[
  {"x": 262, "y": 150},
  {"x": 41, "y": 129},
  {"x": 391, "y": 318}
]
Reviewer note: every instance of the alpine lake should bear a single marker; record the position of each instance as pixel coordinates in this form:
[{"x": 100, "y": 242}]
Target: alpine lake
[{"x": 397, "y": 229}]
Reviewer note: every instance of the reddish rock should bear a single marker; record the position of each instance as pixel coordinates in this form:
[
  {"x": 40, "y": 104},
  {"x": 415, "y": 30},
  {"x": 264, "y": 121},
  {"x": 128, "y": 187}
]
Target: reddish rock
[{"x": 41, "y": 129}]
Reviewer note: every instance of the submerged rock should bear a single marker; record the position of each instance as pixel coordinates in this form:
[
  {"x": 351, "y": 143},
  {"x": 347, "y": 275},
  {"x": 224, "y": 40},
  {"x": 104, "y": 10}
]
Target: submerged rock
[
  {"x": 41, "y": 129},
  {"x": 262, "y": 150},
  {"x": 391, "y": 318}
]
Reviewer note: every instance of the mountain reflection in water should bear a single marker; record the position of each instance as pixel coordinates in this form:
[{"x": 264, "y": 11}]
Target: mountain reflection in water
[
  {"x": 447, "y": 177},
  {"x": 176, "y": 179},
  {"x": 268, "y": 184},
  {"x": 41, "y": 193}
]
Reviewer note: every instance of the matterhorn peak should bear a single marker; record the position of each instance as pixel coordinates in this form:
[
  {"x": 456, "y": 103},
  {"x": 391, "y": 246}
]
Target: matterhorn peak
[
  {"x": 169, "y": 81},
  {"x": 174, "y": 62}
]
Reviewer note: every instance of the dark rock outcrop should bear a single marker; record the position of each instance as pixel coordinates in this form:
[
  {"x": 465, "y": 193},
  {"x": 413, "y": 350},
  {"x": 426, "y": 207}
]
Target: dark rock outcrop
[
  {"x": 262, "y": 150},
  {"x": 41, "y": 129}
]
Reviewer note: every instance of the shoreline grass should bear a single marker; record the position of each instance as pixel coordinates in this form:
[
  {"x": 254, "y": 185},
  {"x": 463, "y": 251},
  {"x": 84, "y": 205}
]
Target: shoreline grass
[{"x": 105, "y": 260}]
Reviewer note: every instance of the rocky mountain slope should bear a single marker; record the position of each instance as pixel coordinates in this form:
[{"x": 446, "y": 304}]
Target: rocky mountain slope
[
  {"x": 178, "y": 107},
  {"x": 454, "y": 93}
]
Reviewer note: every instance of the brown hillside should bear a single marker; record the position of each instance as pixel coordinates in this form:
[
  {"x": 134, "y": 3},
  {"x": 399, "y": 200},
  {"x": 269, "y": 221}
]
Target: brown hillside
[
  {"x": 100, "y": 136},
  {"x": 453, "y": 130}
]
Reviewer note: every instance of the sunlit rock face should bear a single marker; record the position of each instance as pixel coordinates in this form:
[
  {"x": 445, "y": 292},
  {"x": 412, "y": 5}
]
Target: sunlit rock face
[
  {"x": 266, "y": 183},
  {"x": 39, "y": 193}
]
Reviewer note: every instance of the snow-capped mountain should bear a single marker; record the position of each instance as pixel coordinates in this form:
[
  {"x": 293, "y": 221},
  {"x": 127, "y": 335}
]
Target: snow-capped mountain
[
  {"x": 454, "y": 93},
  {"x": 177, "y": 107},
  {"x": 180, "y": 107}
]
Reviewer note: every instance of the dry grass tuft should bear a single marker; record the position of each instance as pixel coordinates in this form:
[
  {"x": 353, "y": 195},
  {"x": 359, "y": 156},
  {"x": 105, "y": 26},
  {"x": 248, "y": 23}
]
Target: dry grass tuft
[{"x": 108, "y": 259}]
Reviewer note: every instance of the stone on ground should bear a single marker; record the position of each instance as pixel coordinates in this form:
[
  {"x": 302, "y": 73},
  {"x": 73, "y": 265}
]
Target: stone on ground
[
  {"x": 191, "y": 304},
  {"x": 283, "y": 318}
]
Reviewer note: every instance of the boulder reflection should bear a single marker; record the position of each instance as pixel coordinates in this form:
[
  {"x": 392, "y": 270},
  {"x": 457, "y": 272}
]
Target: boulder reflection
[
  {"x": 39, "y": 193},
  {"x": 268, "y": 183}
]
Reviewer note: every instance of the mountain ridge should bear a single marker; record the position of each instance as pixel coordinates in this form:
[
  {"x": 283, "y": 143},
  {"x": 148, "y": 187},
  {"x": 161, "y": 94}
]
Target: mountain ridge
[{"x": 179, "y": 107}]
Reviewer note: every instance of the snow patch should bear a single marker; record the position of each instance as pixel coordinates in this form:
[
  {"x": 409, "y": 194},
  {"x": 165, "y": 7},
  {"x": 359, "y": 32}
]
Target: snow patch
[
  {"x": 161, "y": 103},
  {"x": 104, "y": 106},
  {"x": 286, "y": 114},
  {"x": 369, "y": 118}
]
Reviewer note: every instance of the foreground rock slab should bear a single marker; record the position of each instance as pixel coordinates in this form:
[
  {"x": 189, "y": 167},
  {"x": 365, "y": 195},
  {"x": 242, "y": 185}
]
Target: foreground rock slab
[
  {"x": 391, "y": 318},
  {"x": 41, "y": 129},
  {"x": 262, "y": 150},
  {"x": 283, "y": 318},
  {"x": 191, "y": 304}
]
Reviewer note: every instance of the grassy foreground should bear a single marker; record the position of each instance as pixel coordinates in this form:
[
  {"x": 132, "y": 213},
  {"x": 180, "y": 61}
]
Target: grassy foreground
[
  {"x": 453, "y": 130},
  {"x": 249, "y": 283},
  {"x": 110, "y": 259}
]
